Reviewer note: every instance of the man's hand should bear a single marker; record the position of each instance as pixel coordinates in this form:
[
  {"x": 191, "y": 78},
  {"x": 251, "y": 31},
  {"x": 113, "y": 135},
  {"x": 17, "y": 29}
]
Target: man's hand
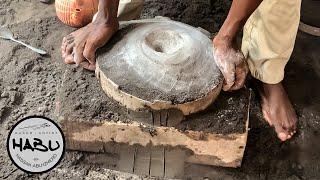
[
  {"x": 231, "y": 63},
  {"x": 229, "y": 59},
  {"x": 80, "y": 46}
]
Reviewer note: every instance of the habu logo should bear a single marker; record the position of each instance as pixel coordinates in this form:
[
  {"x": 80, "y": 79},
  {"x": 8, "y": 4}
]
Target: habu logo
[{"x": 36, "y": 144}]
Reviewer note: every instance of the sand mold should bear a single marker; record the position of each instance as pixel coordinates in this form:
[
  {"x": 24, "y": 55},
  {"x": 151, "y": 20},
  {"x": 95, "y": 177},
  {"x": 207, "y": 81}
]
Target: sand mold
[
  {"x": 80, "y": 98},
  {"x": 143, "y": 74}
]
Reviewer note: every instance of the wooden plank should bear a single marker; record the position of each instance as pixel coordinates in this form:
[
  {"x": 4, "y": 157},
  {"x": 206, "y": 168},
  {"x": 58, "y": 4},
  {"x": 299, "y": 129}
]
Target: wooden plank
[
  {"x": 167, "y": 117},
  {"x": 174, "y": 117},
  {"x": 157, "y": 162},
  {"x": 143, "y": 117},
  {"x": 126, "y": 161},
  {"x": 156, "y": 118},
  {"x": 106, "y": 160},
  {"x": 142, "y": 161},
  {"x": 174, "y": 163},
  {"x": 164, "y": 117},
  {"x": 215, "y": 149}
]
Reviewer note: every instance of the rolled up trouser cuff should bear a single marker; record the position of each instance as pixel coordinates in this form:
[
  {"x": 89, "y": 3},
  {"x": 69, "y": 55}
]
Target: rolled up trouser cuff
[
  {"x": 270, "y": 72},
  {"x": 268, "y": 38}
]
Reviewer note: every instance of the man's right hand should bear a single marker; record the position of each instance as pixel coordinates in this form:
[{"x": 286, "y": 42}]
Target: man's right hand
[{"x": 231, "y": 63}]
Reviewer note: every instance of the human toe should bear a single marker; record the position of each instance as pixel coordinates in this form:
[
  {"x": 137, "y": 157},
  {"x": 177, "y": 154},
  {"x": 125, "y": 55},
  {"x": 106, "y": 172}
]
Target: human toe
[{"x": 283, "y": 135}]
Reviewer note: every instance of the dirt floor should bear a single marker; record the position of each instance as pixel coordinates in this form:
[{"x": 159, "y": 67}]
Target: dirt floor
[{"x": 29, "y": 85}]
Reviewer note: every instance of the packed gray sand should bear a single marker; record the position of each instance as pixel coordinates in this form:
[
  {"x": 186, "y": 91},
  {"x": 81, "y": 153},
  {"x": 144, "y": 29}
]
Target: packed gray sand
[
  {"x": 226, "y": 115},
  {"x": 80, "y": 98}
]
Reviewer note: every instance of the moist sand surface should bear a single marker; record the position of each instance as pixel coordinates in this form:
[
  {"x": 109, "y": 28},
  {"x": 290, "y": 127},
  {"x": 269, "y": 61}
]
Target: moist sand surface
[
  {"x": 80, "y": 98},
  {"x": 226, "y": 115}
]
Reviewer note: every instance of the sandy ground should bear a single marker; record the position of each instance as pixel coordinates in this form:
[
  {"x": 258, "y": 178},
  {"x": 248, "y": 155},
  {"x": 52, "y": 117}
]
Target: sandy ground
[{"x": 29, "y": 84}]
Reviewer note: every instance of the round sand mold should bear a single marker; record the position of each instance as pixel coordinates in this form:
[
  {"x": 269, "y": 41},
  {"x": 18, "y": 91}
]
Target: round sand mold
[{"x": 160, "y": 65}]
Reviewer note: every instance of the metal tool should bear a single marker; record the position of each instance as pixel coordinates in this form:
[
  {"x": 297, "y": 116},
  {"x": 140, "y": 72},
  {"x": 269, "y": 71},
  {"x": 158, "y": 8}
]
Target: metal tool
[{"x": 5, "y": 33}]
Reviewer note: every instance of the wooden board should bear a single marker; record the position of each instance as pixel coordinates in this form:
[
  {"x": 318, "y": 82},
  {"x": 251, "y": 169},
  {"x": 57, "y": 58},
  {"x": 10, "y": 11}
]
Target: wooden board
[
  {"x": 165, "y": 155},
  {"x": 214, "y": 149},
  {"x": 132, "y": 143}
]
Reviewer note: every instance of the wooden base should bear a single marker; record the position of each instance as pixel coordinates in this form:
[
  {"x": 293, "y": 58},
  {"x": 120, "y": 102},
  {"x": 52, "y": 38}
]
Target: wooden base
[
  {"x": 148, "y": 148},
  {"x": 163, "y": 154},
  {"x": 206, "y": 148}
]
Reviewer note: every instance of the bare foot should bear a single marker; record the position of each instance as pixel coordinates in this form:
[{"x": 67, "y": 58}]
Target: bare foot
[
  {"x": 80, "y": 46},
  {"x": 277, "y": 110}
]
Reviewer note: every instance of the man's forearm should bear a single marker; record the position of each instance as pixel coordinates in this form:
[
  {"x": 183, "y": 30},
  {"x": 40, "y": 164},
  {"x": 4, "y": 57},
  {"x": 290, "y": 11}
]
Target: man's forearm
[
  {"x": 107, "y": 11},
  {"x": 239, "y": 12}
]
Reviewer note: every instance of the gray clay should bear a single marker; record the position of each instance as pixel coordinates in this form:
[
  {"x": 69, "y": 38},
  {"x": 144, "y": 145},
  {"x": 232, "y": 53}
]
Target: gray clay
[{"x": 166, "y": 60}]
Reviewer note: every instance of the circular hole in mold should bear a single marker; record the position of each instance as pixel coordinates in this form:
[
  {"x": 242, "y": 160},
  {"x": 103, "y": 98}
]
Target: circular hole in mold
[{"x": 165, "y": 41}]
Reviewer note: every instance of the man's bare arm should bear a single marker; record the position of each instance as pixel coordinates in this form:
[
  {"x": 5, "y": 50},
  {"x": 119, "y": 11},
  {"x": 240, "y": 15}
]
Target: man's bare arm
[
  {"x": 238, "y": 14},
  {"x": 107, "y": 10},
  {"x": 229, "y": 59}
]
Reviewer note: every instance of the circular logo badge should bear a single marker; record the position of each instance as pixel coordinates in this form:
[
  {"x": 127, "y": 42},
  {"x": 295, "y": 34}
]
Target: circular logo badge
[{"x": 36, "y": 144}]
